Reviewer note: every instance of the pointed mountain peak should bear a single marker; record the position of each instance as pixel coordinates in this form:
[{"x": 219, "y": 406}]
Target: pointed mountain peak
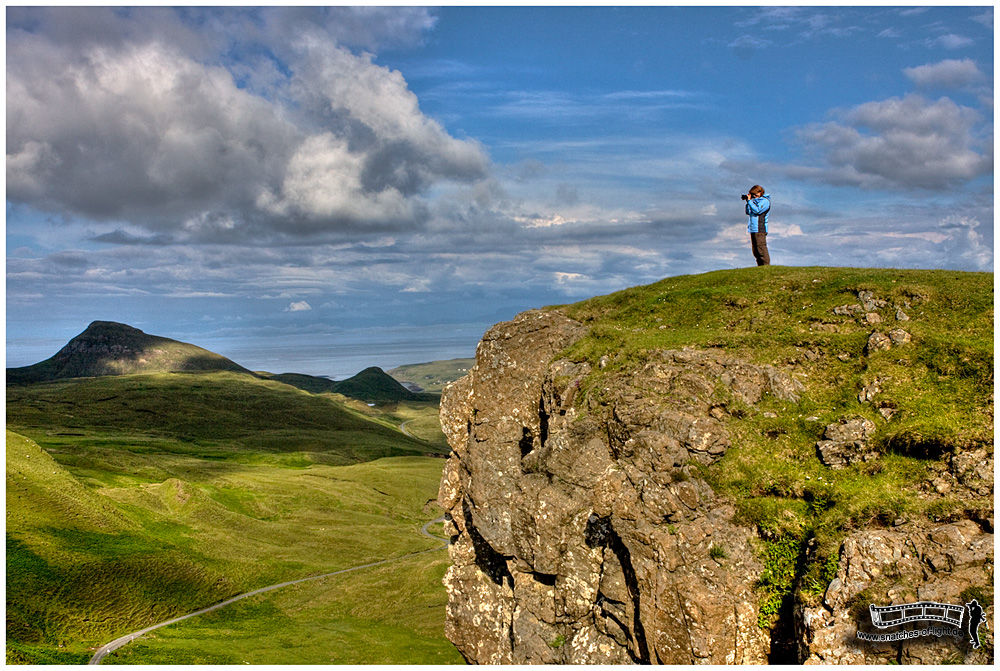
[{"x": 111, "y": 348}]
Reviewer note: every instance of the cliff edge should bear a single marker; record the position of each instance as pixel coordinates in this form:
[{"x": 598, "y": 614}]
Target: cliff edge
[{"x": 727, "y": 468}]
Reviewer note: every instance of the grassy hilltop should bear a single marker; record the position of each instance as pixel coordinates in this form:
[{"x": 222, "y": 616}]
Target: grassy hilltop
[
  {"x": 939, "y": 385},
  {"x": 929, "y": 393}
]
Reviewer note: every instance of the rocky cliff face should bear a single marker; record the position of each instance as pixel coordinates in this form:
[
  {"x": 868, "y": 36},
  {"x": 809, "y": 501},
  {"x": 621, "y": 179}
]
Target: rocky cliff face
[{"x": 583, "y": 532}]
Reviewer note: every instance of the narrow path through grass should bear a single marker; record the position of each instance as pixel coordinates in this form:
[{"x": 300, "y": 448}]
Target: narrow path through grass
[{"x": 108, "y": 648}]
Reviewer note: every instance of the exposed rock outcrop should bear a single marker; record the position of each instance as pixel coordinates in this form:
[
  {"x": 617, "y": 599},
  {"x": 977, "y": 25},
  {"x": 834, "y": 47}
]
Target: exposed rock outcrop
[
  {"x": 582, "y": 531},
  {"x": 846, "y": 442},
  {"x": 585, "y": 537}
]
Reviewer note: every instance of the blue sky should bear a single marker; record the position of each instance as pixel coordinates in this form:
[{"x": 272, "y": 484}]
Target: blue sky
[{"x": 321, "y": 189}]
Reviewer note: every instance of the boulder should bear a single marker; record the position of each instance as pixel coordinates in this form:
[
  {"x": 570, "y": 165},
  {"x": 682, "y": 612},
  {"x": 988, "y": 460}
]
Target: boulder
[
  {"x": 878, "y": 341},
  {"x": 845, "y": 442}
]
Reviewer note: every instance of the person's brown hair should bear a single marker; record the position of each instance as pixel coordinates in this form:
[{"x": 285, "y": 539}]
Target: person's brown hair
[{"x": 756, "y": 190}]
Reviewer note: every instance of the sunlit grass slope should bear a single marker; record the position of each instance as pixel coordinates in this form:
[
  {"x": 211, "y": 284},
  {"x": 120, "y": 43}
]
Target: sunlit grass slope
[
  {"x": 76, "y": 562},
  {"x": 86, "y": 564},
  {"x": 391, "y": 614},
  {"x": 934, "y": 398}
]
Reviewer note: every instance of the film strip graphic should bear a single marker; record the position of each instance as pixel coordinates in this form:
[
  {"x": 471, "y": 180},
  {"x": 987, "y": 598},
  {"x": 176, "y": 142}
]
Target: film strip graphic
[{"x": 891, "y": 616}]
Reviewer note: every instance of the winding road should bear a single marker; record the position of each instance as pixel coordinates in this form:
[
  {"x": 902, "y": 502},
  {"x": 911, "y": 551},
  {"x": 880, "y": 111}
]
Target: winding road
[{"x": 108, "y": 648}]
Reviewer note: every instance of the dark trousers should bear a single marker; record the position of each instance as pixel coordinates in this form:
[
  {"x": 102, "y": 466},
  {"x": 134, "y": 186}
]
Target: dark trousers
[{"x": 758, "y": 243}]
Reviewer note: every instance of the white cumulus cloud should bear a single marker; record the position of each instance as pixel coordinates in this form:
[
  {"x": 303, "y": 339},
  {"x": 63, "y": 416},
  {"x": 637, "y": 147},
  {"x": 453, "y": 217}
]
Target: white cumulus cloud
[
  {"x": 298, "y": 306},
  {"x": 908, "y": 142}
]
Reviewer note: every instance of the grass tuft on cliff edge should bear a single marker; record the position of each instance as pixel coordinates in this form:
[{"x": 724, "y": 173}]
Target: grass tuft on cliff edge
[{"x": 931, "y": 396}]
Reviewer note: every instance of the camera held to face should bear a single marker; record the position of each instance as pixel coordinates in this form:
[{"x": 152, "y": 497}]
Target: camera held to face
[{"x": 744, "y": 197}]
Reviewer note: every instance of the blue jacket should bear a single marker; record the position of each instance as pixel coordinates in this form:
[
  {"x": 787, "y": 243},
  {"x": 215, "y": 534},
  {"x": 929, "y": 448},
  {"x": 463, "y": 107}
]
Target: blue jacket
[{"x": 756, "y": 207}]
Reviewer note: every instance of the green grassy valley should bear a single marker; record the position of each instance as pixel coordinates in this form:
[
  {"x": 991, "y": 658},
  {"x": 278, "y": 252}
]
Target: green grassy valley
[
  {"x": 87, "y": 563},
  {"x": 132, "y": 499},
  {"x": 390, "y": 614}
]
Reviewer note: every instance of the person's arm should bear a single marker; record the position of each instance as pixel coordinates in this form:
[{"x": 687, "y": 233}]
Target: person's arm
[{"x": 757, "y": 206}]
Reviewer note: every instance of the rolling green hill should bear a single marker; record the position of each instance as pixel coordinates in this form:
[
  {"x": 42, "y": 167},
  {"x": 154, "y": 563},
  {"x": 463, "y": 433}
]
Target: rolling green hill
[
  {"x": 226, "y": 412},
  {"x": 112, "y": 541},
  {"x": 109, "y": 348},
  {"x": 374, "y": 385},
  {"x": 314, "y": 384},
  {"x": 76, "y": 561}
]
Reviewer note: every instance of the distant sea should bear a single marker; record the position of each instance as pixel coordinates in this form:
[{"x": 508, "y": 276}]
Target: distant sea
[{"x": 341, "y": 355}]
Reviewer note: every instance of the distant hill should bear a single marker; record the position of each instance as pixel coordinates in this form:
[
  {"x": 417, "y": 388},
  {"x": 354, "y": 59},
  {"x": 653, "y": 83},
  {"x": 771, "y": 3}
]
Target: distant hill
[
  {"x": 110, "y": 348},
  {"x": 372, "y": 385},
  {"x": 433, "y": 375},
  {"x": 311, "y": 383}
]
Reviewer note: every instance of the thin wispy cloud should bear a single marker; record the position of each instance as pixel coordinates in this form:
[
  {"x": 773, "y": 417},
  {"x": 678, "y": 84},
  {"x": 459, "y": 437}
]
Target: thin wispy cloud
[
  {"x": 560, "y": 105},
  {"x": 949, "y": 74},
  {"x": 802, "y": 22},
  {"x": 951, "y": 41},
  {"x": 751, "y": 42},
  {"x": 985, "y": 19}
]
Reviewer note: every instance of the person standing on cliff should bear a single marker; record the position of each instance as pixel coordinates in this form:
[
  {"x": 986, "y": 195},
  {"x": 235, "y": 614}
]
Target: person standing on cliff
[{"x": 758, "y": 205}]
